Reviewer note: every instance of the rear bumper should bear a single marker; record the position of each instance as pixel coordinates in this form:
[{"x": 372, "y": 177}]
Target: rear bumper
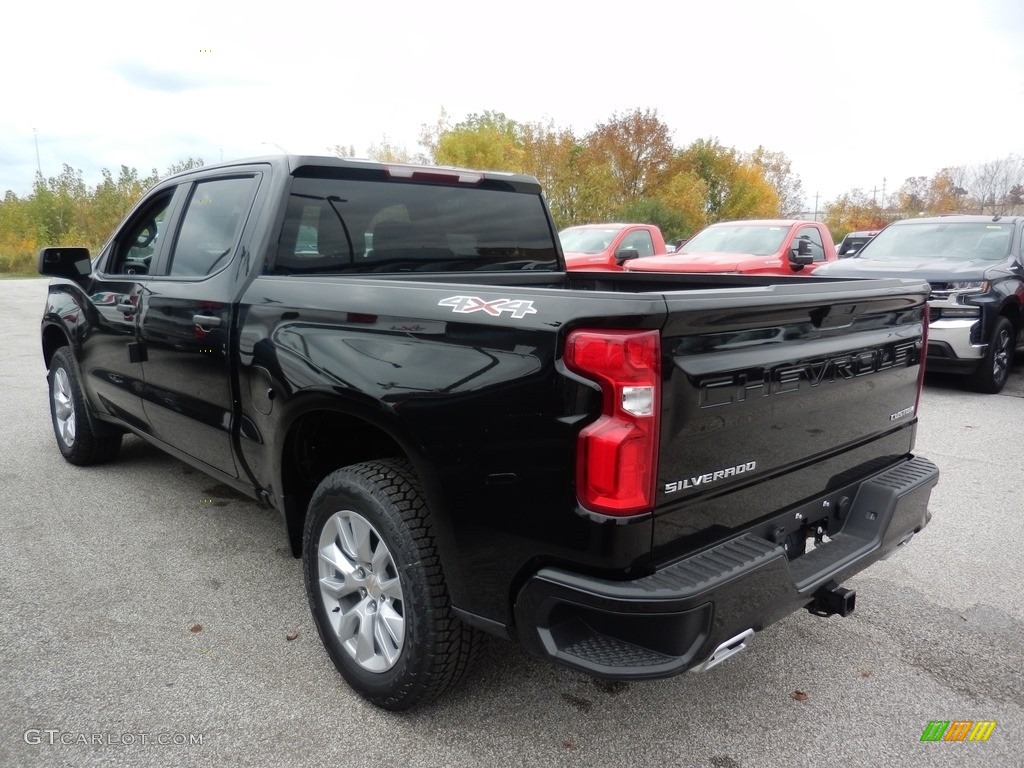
[{"x": 676, "y": 618}]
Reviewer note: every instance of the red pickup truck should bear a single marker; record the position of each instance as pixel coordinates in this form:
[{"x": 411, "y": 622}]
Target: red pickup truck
[
  {"x": 761, "y": 246},
  {"x": 606, "y": 247}
]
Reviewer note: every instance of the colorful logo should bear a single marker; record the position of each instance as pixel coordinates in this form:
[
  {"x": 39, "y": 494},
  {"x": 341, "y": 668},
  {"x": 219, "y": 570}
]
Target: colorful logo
[{"x": 958, "y": 730}]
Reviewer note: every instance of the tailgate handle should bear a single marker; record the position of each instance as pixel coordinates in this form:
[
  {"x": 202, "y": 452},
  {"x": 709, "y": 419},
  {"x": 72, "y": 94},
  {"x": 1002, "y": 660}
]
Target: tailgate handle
[
  {"x": 834, "y": 316},
  {"x": 206, "y": 321}
]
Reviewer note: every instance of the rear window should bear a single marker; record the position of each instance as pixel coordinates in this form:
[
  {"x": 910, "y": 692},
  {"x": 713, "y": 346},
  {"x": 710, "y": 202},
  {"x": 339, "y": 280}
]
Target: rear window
[
  {"x": 344, "y": 225},
  {"x": 852, "y": 243}
]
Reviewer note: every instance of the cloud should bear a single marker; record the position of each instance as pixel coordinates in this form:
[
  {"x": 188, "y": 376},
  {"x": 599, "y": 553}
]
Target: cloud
[
  {"x": 150, "y": 78},
  {"x": 173, "y": 81}
]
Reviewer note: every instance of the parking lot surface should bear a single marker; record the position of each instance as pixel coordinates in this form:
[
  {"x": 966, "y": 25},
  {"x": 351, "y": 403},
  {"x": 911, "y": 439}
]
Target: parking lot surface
[{"x": 141, "y": 602}]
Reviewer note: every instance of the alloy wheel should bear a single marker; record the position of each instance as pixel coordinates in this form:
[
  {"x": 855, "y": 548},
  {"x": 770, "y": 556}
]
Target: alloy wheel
[
  {"x": 1001, "y": 357},
  {"x": 64, "y": 407},
  {"x": 361, "y": 591}
]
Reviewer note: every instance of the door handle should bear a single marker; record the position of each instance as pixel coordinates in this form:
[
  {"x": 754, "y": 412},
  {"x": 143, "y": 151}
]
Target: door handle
[
  {"x": 126, "y": 308},
  {"x": 209, "y": 321}
]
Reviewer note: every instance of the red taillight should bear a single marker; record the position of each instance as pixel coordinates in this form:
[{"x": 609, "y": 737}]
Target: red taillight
[{"x": 617, "y": 455}]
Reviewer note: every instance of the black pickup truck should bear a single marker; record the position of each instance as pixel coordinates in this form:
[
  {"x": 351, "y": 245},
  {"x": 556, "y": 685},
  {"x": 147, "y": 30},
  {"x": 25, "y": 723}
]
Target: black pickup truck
[
  {"x": 975, "y": 266},
  {"x": 628, "y": 474}
]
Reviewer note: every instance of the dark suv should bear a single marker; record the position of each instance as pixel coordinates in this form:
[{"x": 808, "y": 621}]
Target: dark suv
[
  {"x": 853, "y": 242},
  {"x": 976, "y": 270}
]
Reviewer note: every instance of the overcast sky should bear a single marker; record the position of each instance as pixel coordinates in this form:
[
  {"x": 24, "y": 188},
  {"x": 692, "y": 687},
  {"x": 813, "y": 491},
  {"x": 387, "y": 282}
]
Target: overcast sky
[{"x": 854, "y": 92}]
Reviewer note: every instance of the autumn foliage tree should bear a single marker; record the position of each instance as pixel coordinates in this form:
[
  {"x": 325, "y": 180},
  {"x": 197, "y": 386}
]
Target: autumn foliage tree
[
  {"x": 64, "y": 210},
  {"x": 626, "y": 168},
  {"x": 920, "y": 195},
  {"x": 489, "y": 141},
  {"x": 578, "y": 186},
  {"x": 735, "y": 186},
  {"x": 854, "y": 211},
  {"x": 995, "y": 187},
  {"x": 637, "y": 150},
  {"x": 777, "y": 170}
]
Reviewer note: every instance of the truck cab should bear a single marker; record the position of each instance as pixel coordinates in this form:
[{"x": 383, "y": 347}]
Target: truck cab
[
  {"x": 752, "y": 247},
  {"x": 607, "y": 247}
]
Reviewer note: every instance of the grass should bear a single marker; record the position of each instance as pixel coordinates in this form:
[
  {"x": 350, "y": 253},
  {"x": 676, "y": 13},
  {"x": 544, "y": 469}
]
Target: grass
[{"x": 19, "y": 263}]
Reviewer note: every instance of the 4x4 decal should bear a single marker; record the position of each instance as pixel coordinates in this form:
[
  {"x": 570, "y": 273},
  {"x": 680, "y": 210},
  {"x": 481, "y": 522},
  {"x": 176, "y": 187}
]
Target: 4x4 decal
[{"x": 464, "y": 305}]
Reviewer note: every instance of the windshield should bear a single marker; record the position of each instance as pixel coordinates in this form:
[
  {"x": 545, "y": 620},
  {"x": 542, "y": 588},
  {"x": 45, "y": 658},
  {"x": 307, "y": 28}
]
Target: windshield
[
  {"x": 586, "y": 239},
  {"x": 755, "y": 239},
  {"x": 960, "y": 240}
]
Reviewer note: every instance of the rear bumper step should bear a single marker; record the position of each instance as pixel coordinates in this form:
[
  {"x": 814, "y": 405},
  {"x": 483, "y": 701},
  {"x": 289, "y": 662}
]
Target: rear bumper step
[{"x": 691, "y": 612}]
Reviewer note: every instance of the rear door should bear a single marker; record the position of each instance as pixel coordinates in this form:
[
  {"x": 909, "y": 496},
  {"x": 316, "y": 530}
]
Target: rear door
[{"x": 185, "y": 319}]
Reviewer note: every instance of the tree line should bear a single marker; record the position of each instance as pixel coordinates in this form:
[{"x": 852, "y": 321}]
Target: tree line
[
  {"x": 626, "y": 168},
  {"x": 995, "y": 187},
  {"x": 64, "y": 210}
]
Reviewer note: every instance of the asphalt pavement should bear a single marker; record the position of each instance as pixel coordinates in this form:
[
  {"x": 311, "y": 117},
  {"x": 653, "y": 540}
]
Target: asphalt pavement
[{"x": 146, "y": 611}]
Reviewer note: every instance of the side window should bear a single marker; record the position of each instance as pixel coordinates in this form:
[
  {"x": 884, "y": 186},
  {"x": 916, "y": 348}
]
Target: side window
[
  {"x": 817, "y": 247},
  {"x": 212, "y": 222},
  {"x": 140, "y": 238},
  {"x": 641, "y": 240}
]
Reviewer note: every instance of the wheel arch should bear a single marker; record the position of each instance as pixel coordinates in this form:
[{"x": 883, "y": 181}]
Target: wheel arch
[
  {"x": 1013, "y": 311},
  {"x": 326, "y": 435},
  {"x": 67, "y": 319},
  {"x": 54, "y": 337}
]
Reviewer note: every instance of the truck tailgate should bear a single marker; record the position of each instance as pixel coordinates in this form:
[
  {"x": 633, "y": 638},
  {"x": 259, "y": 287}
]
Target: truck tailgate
[{"x": 775, "y": 394}]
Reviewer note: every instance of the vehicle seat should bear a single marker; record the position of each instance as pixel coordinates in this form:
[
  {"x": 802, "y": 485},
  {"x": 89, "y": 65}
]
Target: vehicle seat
[
  {"x": 393, "y": 240},
  {"x": 331, "y": 241}
]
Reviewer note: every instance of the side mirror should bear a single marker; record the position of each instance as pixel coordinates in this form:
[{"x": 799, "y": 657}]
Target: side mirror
[
  {"x": 800, "y": 255},
  {"x": 72, "y": 263},
  {"x": 626, "y": 254}
]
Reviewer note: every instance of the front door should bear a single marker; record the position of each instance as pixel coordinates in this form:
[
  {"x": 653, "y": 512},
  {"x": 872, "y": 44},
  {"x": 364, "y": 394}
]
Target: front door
[{"x": 109, "y": 354}]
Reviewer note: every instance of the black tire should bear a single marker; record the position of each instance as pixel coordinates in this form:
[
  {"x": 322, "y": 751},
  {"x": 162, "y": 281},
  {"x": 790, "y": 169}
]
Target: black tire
[
  {"x": 77, "y": 438},
  {"x": 381, "y": 502},
  {"x": 994, "y": 369}
]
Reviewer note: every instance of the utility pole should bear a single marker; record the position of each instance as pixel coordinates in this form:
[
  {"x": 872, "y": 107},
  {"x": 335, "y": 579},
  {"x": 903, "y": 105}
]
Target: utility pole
[
  {"x": 815, "y": 206},
  {"x": 883, "y": 192},
  {"x": 39, "y": 165}
]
